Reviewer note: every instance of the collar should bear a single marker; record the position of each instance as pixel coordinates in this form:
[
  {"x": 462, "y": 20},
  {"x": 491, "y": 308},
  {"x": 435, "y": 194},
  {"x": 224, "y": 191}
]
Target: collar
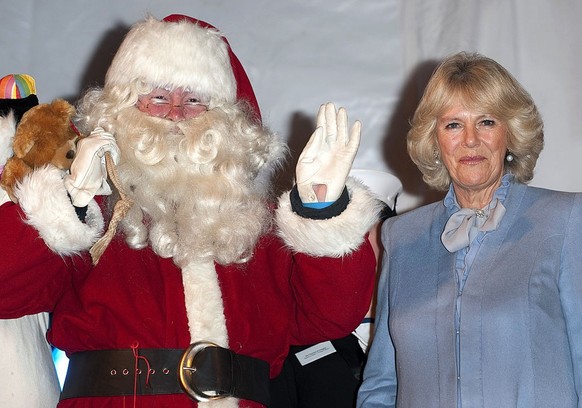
[
  {"x": 464, "y": 224},
  {"x": 452, "y": 206}
]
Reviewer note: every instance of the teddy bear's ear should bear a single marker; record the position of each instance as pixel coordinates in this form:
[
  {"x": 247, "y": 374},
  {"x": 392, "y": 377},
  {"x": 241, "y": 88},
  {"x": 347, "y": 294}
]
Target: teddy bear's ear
[
  {"x": 28, "y": 126},
  {"x": 21, "y": 145},
  {"x": 62, "y": 108}
]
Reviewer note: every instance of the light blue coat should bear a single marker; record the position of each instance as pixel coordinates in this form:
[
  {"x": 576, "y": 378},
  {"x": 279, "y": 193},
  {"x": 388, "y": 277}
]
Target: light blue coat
[{"x": 521, "y": 311}]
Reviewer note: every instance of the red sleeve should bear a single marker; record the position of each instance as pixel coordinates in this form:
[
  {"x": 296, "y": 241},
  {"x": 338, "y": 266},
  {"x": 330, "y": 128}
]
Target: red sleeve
[
  {"x": 31, "y": 275},
  {"x": 332, "y": 295}
]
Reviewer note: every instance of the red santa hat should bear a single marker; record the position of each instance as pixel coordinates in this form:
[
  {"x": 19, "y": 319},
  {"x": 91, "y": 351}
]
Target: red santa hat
[{"x": 181, "y": 51}]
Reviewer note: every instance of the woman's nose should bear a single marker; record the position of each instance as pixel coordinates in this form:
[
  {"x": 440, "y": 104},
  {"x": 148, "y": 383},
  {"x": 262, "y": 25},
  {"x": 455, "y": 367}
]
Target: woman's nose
[{"x": 471, "y": 138}]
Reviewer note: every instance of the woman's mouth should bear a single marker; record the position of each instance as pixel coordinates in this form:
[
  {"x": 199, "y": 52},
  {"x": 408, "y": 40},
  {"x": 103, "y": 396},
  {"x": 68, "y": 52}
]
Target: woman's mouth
[{"x": 470, "y": 160}]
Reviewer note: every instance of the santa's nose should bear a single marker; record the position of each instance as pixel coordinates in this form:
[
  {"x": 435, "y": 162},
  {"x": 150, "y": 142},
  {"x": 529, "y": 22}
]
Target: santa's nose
[{"x": 176, "y": 113}]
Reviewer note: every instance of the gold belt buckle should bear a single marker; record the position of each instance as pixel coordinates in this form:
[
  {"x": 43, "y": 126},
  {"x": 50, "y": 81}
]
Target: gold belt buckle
[{"x": 187, "y": 373}]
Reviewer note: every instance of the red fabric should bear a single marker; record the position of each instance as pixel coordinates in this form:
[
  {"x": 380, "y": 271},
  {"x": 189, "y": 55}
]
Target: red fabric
[
  {"x": 275, "y": 300},
  {"x": 244, "y": 90}
]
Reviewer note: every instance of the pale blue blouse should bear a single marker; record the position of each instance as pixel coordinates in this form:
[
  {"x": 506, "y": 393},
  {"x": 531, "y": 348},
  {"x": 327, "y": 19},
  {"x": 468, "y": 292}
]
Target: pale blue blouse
[{"x": 463, "y": 262}]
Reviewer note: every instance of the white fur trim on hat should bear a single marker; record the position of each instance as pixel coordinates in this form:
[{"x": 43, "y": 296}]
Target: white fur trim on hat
[
  {"x": 43, "y": 198},
  {"x": 335, "y": 236},
  {"x": 175, "y": 54}
]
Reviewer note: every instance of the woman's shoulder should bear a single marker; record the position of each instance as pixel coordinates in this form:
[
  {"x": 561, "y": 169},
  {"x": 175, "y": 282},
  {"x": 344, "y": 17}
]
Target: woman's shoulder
[
  {"x": 418, "y": 218},
  {"x": 420, "y": 212},
  {"x": 544, "y": 204},
  {"x": 542, "y": 193}
]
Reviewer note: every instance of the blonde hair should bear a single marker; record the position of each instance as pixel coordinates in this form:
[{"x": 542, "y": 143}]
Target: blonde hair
[{"x": 483, "y": 84}]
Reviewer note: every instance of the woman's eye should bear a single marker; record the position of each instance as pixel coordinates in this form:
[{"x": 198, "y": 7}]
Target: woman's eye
[
  {"x": 159, "y": 97},
  {"x": 488, "y": 122},
  {"x": 192, "y": 101},
  {"x": 452, "y": 125}
]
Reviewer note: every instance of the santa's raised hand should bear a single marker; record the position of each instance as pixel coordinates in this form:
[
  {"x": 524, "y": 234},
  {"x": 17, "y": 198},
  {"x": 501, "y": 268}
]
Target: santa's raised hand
[{"x": 327, "y": 158}]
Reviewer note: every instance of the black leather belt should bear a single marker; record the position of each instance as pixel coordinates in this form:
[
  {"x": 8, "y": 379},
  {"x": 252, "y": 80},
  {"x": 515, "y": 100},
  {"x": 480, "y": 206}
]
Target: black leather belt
[{"x": 204, "y": 371}]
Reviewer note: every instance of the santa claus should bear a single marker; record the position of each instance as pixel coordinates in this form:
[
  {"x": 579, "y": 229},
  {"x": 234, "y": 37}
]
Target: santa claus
[{"x": 197, "y": 297}]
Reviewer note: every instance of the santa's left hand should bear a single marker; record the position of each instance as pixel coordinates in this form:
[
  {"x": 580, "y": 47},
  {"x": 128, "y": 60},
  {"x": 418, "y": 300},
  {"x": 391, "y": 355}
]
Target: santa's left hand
[
  {"x": 88, "y": 174},
  {"x": 326, "y": 160}
]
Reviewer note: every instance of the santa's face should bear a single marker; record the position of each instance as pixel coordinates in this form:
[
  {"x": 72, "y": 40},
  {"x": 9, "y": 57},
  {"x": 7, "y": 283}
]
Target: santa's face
[
  {"x": 175, "y": 105},
  {"x": 187, "y": 176}
]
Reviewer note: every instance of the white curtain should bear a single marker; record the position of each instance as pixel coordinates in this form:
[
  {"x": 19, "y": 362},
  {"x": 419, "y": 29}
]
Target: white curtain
[{"x": 371, "y": 56}]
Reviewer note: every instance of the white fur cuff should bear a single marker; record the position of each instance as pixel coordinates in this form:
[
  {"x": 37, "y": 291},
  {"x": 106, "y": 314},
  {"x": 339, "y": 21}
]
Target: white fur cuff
[
  {"x": 43, "y": 198},
  {"x": 333, "y": 237}
]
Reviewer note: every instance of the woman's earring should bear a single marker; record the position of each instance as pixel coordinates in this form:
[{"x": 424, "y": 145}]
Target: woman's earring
[
  {"x": 509, "y": 157},
  {"x": 437, "y": 160}
]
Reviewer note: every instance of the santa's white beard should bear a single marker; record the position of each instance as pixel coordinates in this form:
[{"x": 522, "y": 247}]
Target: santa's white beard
[{"x": 192, "y": 184}]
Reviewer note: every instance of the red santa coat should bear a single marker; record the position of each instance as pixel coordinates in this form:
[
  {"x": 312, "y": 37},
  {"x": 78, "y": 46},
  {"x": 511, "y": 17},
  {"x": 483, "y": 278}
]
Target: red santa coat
[{"x": 280, "y": 297}]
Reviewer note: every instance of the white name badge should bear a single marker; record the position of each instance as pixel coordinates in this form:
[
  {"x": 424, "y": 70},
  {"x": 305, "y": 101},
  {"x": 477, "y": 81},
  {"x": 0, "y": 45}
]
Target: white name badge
[{"x": 314, "y": 353}]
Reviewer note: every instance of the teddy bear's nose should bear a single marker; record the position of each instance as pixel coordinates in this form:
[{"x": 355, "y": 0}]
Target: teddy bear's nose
[{"x": 70, "y": 154}]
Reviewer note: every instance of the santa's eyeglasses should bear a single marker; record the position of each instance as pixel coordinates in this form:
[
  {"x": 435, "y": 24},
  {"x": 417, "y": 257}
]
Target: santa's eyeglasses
[{"x": 160, "y": 103}]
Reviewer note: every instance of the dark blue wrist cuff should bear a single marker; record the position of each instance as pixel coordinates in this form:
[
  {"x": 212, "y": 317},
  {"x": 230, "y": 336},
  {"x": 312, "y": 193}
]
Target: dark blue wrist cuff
[{"x": 330, "y": 211}]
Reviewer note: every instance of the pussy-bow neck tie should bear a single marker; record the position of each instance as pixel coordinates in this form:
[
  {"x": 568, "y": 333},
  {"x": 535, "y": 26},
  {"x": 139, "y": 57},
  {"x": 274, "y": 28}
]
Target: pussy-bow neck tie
[{"x": 463, "y": 226}]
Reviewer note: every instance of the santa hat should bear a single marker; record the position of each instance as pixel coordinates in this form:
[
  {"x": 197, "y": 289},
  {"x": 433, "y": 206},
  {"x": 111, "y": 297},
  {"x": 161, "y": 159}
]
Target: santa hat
[{"x": 181, "y": 51}]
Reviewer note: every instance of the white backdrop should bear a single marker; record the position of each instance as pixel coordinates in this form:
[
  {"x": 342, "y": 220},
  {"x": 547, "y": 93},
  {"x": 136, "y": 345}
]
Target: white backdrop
[{"x": 371, "y": 56}]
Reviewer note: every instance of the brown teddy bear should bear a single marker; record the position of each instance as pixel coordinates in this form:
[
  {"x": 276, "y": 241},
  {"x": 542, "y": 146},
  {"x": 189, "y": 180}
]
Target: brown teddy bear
[{"x": 44, "y": 135}]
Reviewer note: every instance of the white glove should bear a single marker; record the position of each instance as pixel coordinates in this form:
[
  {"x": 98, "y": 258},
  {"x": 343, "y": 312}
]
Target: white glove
[
  {"x": 327, "y": 158},
  {"x": 88, "y": 174}
]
